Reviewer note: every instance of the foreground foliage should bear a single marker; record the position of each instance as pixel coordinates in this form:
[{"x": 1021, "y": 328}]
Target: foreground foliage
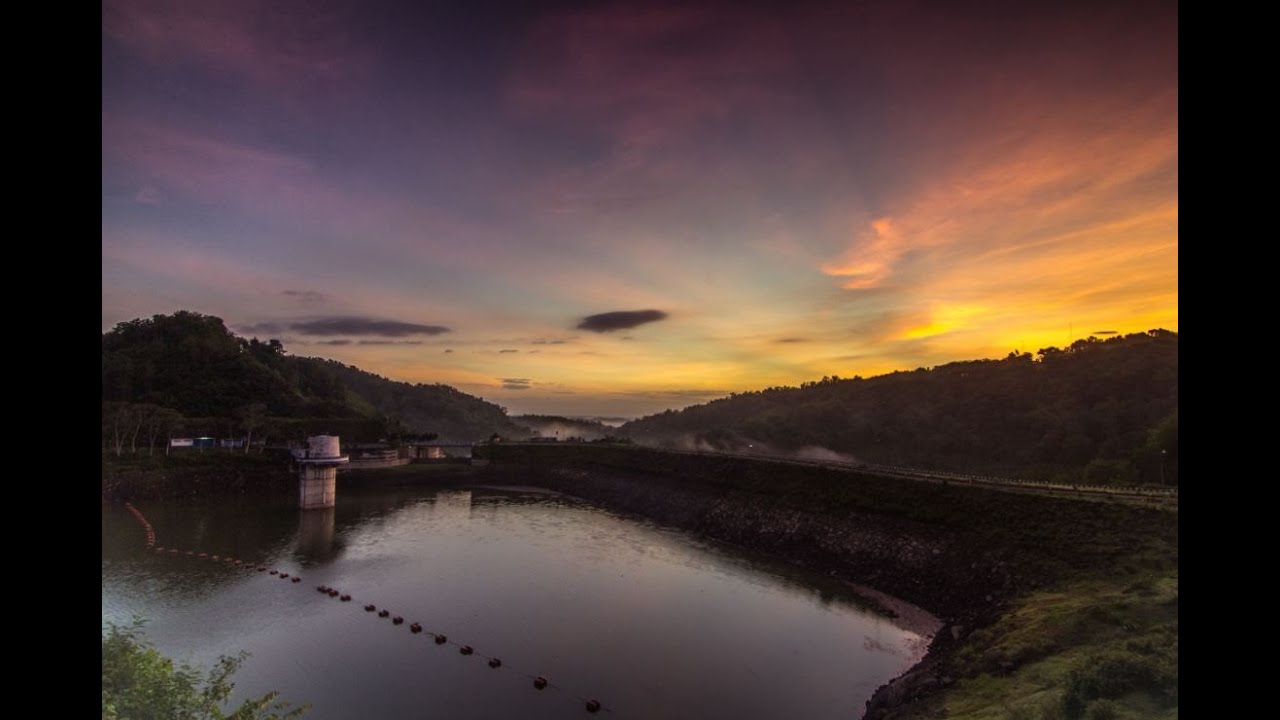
[{"x": 138, "y": 683}]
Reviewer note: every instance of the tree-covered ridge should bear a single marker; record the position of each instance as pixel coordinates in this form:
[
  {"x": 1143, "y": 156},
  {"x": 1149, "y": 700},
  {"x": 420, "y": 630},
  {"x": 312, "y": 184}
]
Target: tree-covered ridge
[
  {"x": 192, "y": 365},
  {"x": 1098, "y": 410},
  {"x": 563, "y": 428}
]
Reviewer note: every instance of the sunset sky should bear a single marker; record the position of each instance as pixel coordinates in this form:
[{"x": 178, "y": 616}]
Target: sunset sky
[{"x": 617, "y": 208}]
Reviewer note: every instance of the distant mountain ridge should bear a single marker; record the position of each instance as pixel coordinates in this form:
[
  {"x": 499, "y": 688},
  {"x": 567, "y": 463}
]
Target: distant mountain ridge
[
  {"x": 193, "y": 364},
  {"x": 1102, "y": 410},
  {"x": 563, "y": 428}
]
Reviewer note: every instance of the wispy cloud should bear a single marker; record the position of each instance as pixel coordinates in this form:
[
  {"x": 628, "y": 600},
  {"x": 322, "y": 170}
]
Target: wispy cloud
[
  {"x": 265, "y": 42},
  {"x": 306, "y": 296},
  {"x": 364, "y": 326}
]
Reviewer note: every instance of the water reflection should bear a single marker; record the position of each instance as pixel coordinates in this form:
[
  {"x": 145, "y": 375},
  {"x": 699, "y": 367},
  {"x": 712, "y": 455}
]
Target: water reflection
[
  {"x": 651, "y": 621},
  {"x": 316, "y": 544}
]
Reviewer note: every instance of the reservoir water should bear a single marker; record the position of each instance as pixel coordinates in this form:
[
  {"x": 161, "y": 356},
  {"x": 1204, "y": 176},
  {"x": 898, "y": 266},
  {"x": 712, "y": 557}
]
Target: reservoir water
[{"x": 648, "y": 620}]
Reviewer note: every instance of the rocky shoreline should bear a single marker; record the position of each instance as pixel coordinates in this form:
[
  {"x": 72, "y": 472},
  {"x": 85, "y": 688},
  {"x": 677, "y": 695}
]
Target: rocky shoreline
[{"x": 962, "y": 554}]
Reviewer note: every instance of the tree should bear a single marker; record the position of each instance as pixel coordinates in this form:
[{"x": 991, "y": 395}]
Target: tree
[
  {"x": 252, "y": 416},
  {"x": 157, "y": 420},
  {"x": 121, "y": 421},
  {"x": 138, "y": 683}
]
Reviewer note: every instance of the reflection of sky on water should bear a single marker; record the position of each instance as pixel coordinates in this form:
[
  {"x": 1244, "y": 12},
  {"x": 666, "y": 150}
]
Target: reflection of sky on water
[{"x": 642, "y": 616}]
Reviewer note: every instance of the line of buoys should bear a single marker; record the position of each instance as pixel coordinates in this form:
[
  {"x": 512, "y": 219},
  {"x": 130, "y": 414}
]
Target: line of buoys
[
  {"x": 147, "y": 530},
  {"x": 539, "y": 682}
]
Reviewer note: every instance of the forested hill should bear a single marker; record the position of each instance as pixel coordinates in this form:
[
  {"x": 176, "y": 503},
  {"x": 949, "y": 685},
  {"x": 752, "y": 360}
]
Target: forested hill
[
  {"x": 1099, "y": 410},
  {"x": 193, "y": 365}
]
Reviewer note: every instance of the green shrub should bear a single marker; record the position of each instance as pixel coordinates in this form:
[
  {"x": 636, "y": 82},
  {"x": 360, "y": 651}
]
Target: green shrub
[{"x": 138, "y": 683}]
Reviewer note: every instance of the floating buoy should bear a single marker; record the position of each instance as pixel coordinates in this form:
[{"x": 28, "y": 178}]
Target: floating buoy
[
  {"x": 345, "y": 598},
  {"x": 442, "y": 639},
  {"x": 322, "y": 588},
  {"x": 495, "y": 663},
  {"x": 370, "y": 608},
  {"x": 262, "y": 569},
  {"x": 333, "y": 593},
  {"x": 173, "y": 551},
  {"x": 540, "y": 682},
  {"x": 214, "y": 557},
  {"x": 593, "y": 706},
  {"x": 297, "y": 579},
  {"x": 202, "y": 554},
  {"x": 284, "y": 575},
  {"x": 189, "y": 552},
  {"x": 160, "y": 549},
  {"x": 415, "y": 628},
  {"x": 397, "y": 620},
  {"x": 383, "y": 613},
  {"x": 466, "y": 650},
  {"x": 274, "y": 572}
]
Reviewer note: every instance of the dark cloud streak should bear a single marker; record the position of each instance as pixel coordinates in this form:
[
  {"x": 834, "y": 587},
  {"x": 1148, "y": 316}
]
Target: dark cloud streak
[{"x": 620, "y": 320}]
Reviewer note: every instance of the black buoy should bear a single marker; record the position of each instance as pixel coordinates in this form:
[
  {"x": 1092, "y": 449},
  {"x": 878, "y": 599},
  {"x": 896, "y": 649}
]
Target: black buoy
[
  {"x": 370, "y": 608},
  {"x": 262, "y": 569},
  {"x": 442, "y": 639},
  {"x": 383, "y": 613},
  {"x": 274, "y": 572},
  {"x": 466, "y": 650},
  {"x": 397, "y": 620},
  {"x": 345, "y": 598},
  {"x": 296, "y": 579},
  {"x": 540, "y": 682},
  {"x": 495, "y": 663},
  {"x": 333, "y": 593},
  {"x": 322, "y": 588},
  {"x": 593, "y": 706},
  {"x": 284, "y": 576},
  {"x": 415, "y": 628}
]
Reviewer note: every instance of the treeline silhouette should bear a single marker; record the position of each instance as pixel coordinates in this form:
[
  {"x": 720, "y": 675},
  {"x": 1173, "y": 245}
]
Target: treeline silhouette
[
  {"x": 187, "y": 373},
  {"x": 1100, "y": 411}
]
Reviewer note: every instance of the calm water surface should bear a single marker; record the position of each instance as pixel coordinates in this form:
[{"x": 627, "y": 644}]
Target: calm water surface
[{"x": 652, "y": 622}]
